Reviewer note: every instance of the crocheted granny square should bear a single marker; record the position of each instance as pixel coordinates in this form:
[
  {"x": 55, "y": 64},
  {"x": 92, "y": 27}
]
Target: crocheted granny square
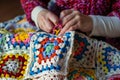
[
  {"x": 108, "y": 61},
  {"x": 50, "y": 55},
  {"x": 81, "y": 74},
  {"x": 1, "y": 42},
  {"x": 82, "y": 60},
  {"x": 13, "y": 66},
  {"x": 3, "y": 32},
  {"x": 18, "y": 41},
  {"x": 44, "y": 56},
  {"x": 92, "y": 60},
  {"x": 82, "y": 51}
]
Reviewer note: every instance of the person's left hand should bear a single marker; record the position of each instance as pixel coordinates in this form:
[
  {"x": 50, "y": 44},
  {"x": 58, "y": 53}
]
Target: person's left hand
[{"x": 74, "y": 20}]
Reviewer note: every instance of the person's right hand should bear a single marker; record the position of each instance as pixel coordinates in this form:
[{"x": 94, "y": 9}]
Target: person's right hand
[{"x": 47, "y": 20}]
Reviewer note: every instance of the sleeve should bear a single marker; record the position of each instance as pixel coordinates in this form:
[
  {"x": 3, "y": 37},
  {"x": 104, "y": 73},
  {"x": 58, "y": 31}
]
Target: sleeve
[
  {"x": 115, "y": 9},
  {"x": 34, "y": 14},
  {"x": 29, "y": 5},
  {"x": 107, "y": 26}
]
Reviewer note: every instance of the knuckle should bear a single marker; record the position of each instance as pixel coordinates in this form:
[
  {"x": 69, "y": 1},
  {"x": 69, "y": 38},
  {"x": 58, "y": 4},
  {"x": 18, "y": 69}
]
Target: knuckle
[
  {"x": 49, "y": 13},
  {"x": 63, "y": 13},
  {"x": 40, "y": 27},
  {"x": 49, "y": 26},
  {"x": 55, "y": 21},
  {"x": 65, "y": 19},
  {"x": 72, "y": 28},
  {"x": 76, "y": 12},
  {"x": 78, "y": 17},
  {"x": 68, "y": 24},
  {"x": 48, "y": 29},
  {"x": 39, "y": 24},
  {"x": 75, "y": 27},
  {"x": 79, "y": 23}
]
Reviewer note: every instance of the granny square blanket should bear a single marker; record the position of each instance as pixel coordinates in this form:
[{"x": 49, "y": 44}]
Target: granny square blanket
[{"x": 27, "y": 53}]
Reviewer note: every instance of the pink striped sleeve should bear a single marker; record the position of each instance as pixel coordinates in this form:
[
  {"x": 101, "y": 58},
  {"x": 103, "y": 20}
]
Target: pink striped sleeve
[{"x": 115, "y": 9}]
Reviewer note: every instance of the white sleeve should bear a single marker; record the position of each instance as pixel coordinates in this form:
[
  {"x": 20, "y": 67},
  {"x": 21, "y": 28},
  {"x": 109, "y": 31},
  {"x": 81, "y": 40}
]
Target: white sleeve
[
  {"x": 105, "y": 26},
  {"x": 34, "y": 14}
]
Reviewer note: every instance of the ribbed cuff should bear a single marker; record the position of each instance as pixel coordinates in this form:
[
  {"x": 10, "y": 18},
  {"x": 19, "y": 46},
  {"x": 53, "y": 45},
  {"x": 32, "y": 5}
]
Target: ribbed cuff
[{"x": 34, "y": 14}]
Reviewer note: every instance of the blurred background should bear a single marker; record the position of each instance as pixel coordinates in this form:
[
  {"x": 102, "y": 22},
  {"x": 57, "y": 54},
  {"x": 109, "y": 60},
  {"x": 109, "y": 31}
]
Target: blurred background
[{"x": 10, "y": 9}]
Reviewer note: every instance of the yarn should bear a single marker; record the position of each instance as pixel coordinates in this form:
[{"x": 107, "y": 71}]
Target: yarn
[
  {"x": 26, "y": 55},
  {"x": 56, "y": 29},
  {"x": 107, "y": 60},
  {"x": 45, "y": 56},
  {"x": 17, "y": 41},
  {"x": 13, "y": 65},
  {"x": 48, "y": 56}
]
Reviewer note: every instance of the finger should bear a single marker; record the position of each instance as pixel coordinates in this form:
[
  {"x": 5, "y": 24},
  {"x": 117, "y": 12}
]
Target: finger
[
  {"x": 49, "y": 25},
  {"x": 67, "y": 26},
  {"x": 53, "y": 18},
  {"x": 63, "y": 30},
  {"x": 43, "y": 25},
  {"x": 67, "y": 18},
  {"x": 72, "y": 28},
  {"x": 40, "y": 26},
  {"x": 65, "y": 12}
]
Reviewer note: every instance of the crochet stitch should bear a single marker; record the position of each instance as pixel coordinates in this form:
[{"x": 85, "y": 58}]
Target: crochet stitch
[
  {"x": 56, "y": 29},
  {"x": 17, "y": 41},
  {"x": 73, "y": 56},
  {"x": 13, "y": 65},
  {"x": 49, "y": 52},
  {"x": 44, "y": 56}
]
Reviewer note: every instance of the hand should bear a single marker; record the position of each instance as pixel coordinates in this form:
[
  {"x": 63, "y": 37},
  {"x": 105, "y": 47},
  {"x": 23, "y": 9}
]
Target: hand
[
  {"x": 47, "y": 20},
  {"x": 74, "y": 20}
]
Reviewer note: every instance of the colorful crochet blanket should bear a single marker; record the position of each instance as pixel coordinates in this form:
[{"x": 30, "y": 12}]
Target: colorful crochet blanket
[{"x": 29, "y": 54}]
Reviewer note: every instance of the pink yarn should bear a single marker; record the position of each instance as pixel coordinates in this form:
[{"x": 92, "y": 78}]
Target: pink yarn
[
  {"x": 26, "y": 40},
  {"x": 115, "y": 77},
  {"x": 13, "y": 40},
  {"x": 19, "y": 41},
  {"x": 80, "y": 78}
]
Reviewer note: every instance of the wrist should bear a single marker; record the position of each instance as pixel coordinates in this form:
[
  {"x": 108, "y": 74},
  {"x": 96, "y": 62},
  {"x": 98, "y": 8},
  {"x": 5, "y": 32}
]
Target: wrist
[{"x": 90, "y": 26}]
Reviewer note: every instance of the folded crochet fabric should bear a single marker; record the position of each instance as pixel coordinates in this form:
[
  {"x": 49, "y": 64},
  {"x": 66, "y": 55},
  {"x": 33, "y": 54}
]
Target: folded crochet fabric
[{"x": 44, "y": 56}]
